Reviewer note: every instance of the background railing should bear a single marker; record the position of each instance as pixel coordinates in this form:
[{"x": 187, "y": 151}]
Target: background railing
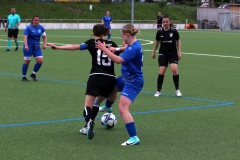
[{"x": 93, "y": 21}]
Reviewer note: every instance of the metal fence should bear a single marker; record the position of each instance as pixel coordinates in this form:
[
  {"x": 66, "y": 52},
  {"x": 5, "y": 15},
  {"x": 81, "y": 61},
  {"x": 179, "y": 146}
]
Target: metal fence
[{"x": 94, "y": 21}]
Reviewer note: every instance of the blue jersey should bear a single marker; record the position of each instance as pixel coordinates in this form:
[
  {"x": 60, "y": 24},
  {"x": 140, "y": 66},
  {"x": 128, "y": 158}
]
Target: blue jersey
[
  {"x": 133, "y": 61},
  {"x": 34, "y": 34},
  {"x": 13, "y": 20},
  {"x": 107, "y": 20}
]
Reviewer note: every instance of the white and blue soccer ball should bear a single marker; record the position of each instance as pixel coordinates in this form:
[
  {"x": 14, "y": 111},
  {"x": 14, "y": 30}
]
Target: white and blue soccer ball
[{"x": 108, "y": 120}]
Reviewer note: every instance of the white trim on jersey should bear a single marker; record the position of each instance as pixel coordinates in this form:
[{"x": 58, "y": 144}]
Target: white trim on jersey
[{"x": 102, "y": 74}]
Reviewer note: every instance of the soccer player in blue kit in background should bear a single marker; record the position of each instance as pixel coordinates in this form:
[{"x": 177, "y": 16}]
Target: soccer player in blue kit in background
[
  {"x": 130, "y": 83},
  {"x": 13, "y": 22},
  {"x": 107, "y": 20},
  {"x": 31, "y": 47}
]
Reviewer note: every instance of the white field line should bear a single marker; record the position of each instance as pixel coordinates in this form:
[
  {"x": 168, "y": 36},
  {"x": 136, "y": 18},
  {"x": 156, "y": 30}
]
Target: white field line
[{"x": 148, "y": 42}]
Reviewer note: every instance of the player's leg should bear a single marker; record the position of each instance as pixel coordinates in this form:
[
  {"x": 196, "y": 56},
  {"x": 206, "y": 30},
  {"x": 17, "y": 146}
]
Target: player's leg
[
  {"x": 96, "y": 104},
  {"x": 107, "y": 107},
  {"x": 127, "y": 97},
  {"x": 87, "y": 113},
  {"x": 9, "y": 41},
  {"x": 109, "y": 33},
  {"x": 38, "y": 55},
  {"x": 163, "y": 63},
  {"x": 15, "y": 35},
  {"x": 113, "y": 96},
  {"x": 27, "y": 58},
  {"x": 174, "y": 68},
  {"x": 92, "y": 91}
]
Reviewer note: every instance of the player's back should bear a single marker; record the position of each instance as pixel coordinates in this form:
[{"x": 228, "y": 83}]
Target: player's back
[{"x": 101, "y": 64}]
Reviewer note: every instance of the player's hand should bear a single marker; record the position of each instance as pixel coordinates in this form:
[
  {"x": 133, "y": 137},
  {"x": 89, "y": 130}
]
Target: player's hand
[
  {"x": 100, "y": 45},
  {"x": 26, "y": 47},
  {"x": 179, "y": 55},
  {"x": 153, "y": 55},
  {"x": 52, "y": 46},
  {"x": 44, "y": 47}
]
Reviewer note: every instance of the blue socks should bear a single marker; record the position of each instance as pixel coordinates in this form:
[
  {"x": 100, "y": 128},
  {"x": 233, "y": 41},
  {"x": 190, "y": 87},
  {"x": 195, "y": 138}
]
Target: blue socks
[
  {"x": 108, "y": 103},
  {"x": 37, "y": 67},
  {"x": 109, "y": 36},
  {"x": 24, "y": 69},
  {"x": 131, "y": 128},
  {"x": 9, "y": 44}
]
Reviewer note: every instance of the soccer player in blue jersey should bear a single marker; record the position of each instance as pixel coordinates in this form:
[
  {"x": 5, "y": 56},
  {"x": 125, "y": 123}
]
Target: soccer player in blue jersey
[
  {"x": 130, "y": 83},
  {"x": 31, "y": 47},
  {"x": 107, "y": 20},
  {"x": 13, "y": 21}
]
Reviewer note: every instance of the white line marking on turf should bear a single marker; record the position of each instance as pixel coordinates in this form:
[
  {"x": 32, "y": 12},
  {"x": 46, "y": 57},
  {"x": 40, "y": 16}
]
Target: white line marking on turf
[{"x": 199, "y": 54}]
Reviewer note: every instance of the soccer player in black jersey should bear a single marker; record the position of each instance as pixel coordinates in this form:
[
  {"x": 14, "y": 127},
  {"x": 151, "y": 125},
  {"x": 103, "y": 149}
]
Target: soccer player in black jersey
[
  {"x": 158, "y": 20},
  {"x": 169, "y": 53},
  {"x": 102, "y": 79}
]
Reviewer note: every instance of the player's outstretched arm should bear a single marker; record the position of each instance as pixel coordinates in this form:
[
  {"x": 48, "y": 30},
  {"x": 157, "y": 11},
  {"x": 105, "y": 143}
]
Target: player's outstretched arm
[{"x": 65, "y": 47}]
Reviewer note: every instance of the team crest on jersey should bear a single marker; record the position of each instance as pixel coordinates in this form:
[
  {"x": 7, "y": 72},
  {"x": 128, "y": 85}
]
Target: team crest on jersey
[
  {"x": 39, "y": 31},
  {"x": 129, "y": 48},
  {"x": 170, "y": 34}
]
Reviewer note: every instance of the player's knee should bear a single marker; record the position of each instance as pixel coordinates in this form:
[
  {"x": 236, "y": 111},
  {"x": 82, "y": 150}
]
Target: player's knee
[{"x": 39, "y": 60}]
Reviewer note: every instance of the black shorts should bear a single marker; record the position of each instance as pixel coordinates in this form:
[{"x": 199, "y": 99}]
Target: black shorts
[
  {"x": 159, "y": 25},
  {"x": 13, "y": 33},
  {"x": 100, "y": 85},
  {"x": 164, "y": 60}
]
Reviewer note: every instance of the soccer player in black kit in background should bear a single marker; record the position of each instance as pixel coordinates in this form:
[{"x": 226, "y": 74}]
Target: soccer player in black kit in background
[
  {"x": 158, "y": 20},
  {"x": 169, "y": 53},
  {"x": 102, "y": 76}
]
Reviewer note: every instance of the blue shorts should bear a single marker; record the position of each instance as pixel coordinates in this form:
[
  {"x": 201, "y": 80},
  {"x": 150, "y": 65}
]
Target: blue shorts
[
  {"x": 129, "y": 89},
  {"x": 109, "y": 27},
  {"x": 35, "y": 51}
]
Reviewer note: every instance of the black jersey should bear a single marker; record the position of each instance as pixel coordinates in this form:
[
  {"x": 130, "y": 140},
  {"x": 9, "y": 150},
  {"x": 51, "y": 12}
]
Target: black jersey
[
  {"x": 101, "y": 64},
  {"x": 159, "y": 19},
  {"x": 168, "y": 40}
]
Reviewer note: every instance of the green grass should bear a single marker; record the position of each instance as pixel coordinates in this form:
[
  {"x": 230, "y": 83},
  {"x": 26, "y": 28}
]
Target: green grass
[
  {"x": 169, "y": 127},
  {"x": 119, "y": 11}
]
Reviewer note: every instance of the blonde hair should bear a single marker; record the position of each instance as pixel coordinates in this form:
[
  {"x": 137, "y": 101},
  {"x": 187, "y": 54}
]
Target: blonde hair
[{"x": 129, "y": 28}]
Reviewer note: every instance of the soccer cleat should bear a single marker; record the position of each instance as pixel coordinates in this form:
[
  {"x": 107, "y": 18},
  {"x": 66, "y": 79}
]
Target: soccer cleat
[
  {"x": 104, "y": 108},
  {"x": 132, "y": 141},
  {"x": 34, "y": 77},
  {"x": 90, "y": 126},
  {"x": 157, "y": 94},
  {"x": 109, "y": 39},
  {"x": 16, "y": 48},
  {"x": 24, "y": 79},
  {"x": 83, "y": 130},
  {"x": 7, "y": 50},
  {"x": 179, "y": 94}
]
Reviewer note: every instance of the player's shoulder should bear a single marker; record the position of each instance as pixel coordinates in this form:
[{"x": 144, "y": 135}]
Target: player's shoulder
[
  {"x": 91, "y": 40},
  {"x": 159, "y": 30},
  {"x": 173, "y": 29},
  {"x": 29, "y": 26},
  {"x": 110, "y": 43}
]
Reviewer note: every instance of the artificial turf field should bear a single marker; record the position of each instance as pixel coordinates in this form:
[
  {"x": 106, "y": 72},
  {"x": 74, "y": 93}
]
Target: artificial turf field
[{"x": 41, "y": 120}]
